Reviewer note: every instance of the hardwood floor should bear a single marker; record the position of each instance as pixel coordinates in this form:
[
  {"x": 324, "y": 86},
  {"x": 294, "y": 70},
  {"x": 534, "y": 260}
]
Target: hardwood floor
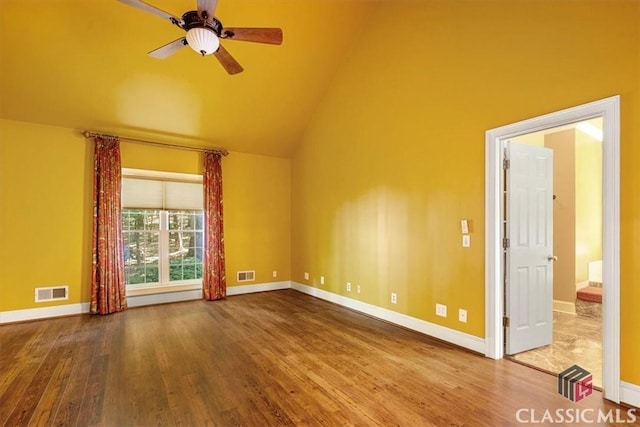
[{"x": 274, "y": 358}]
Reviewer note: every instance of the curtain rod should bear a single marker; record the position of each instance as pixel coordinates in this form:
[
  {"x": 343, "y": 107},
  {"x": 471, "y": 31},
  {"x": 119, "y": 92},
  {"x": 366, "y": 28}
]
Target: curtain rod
[{"x": 221, "y": 151}]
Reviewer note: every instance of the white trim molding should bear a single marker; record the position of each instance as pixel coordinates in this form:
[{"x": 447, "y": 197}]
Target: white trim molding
[
  {"x": 261, "y": 287},
  {"x": 630, "y": 394},
  {"x": 609, "y": 110},
  {"x": 43, "y": 312},
  {"x": 461, "y": 339}
]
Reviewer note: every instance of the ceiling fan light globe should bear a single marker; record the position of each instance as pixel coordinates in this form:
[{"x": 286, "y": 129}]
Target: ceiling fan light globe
[{"x": 203, "y": 40}]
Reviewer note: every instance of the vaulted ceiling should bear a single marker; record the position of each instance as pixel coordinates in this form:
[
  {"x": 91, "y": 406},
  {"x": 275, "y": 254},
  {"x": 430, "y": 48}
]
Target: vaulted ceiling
[{"x": 82, "y": 64}]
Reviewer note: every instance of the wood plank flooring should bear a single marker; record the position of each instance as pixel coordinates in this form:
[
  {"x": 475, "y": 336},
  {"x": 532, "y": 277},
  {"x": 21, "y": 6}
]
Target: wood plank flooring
[{"x": 278, "y": 358}]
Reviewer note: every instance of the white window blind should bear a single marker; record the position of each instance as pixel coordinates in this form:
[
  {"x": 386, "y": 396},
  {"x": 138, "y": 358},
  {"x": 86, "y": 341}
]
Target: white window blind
[{"x": 161, "y": 190}]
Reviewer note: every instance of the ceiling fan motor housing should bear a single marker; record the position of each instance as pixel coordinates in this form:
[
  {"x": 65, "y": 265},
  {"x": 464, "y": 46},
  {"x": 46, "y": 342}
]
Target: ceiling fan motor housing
[{"x": 192, "y": 20}]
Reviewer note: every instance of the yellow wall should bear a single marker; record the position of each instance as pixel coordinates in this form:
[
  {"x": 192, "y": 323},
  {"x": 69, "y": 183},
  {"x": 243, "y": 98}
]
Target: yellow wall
[
  {"x": 394, "y": 156},
  {"x": 257, "y": 201},
  {"x": 45, "y": 213},
  {"x": 588, "y": 203},
  {"x": 46, "y": 205}
]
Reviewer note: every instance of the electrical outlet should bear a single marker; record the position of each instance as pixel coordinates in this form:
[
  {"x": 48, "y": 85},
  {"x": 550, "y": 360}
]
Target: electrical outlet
[
  {"x": 441, "y": 310},
  {"x": 466, "y": 240},
  {"x": 462, "y": 315},
  {"x": 322, "y": 280},
  {"x": 358, "y": 288},
  {"x": 348, "y": 286},
  {"x": 394, "y": 298},
  {"x": 306, "y": 276},
  {"x": 275, "y": 273}
]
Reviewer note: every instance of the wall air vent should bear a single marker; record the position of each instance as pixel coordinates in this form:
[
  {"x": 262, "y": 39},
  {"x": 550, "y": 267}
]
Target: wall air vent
[
  {"x": 246, "y": 276},
  {"x": 54, "y": 293}
]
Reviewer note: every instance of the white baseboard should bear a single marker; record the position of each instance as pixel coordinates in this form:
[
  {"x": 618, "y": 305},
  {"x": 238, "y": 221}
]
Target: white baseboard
[
  {"x": 630, "y": 394},
  {"x": 43, "y": 312},
  {"x": 461, "y": 339},
  {"x": 261, "y": 287},
  {"x": 564, "y": 306},
  {"x": 133, "y": 301}
]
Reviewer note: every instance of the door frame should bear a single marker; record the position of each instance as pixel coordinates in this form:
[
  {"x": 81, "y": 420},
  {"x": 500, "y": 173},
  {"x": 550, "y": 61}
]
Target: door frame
[{"x": 609, "y": 110}]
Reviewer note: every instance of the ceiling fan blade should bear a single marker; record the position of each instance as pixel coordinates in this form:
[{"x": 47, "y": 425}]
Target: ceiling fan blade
[
  {"x": 228, "y": 62},
  {"x": 151, "y": 9},
  {"x": 169, "y": 48},
  {"x": 208, "y": 6},
  {"x": 257, "y": 35}
]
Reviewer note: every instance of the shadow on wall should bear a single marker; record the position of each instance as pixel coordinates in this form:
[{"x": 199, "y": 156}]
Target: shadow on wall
[{"x": 371, "y": 245}]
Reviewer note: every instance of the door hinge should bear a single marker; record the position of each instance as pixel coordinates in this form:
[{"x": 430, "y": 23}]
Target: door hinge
[
  {"x": 505, "y": 321},
  {"x": 505, "y": 164},
  {"x": 505, "y": 243}
]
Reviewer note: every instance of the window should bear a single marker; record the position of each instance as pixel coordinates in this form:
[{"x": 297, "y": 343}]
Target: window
[
  {"x": 163, "y": 228},
  {"x": 141, "y": 238}
]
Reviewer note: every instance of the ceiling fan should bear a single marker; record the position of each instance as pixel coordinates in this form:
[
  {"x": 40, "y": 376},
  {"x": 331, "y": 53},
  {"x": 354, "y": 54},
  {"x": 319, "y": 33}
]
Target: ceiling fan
[{"x": 204, "y": 32}]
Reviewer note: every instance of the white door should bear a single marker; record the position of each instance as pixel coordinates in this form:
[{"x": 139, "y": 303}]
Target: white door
[{"x": 529, "y": 252}]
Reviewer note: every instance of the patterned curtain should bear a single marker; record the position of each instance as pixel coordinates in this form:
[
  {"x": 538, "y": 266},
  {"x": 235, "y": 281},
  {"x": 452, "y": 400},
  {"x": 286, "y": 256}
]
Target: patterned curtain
[
  {"x": 214, "y": 282},
  {"x": 107, "y": 281}
]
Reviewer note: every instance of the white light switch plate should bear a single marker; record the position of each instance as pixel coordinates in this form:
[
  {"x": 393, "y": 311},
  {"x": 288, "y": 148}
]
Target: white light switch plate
[{"x": 466, "y": 240}]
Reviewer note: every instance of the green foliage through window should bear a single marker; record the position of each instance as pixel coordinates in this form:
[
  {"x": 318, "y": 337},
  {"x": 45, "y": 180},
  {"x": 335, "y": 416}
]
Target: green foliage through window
[{"x": 157, "y": 241}]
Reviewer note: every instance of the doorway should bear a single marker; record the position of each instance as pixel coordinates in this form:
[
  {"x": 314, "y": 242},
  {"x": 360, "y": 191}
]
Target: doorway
[
  {"x": 608, "y": 109},
  {"x": 576, "y": 208}
]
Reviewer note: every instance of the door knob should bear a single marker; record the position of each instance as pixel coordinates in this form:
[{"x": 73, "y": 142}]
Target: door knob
[{"x": 552, "y": 258}]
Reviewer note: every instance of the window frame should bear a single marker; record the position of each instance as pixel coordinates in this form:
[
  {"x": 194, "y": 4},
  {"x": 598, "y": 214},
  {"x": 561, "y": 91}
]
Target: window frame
[{"x": 164, "y": 263}]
